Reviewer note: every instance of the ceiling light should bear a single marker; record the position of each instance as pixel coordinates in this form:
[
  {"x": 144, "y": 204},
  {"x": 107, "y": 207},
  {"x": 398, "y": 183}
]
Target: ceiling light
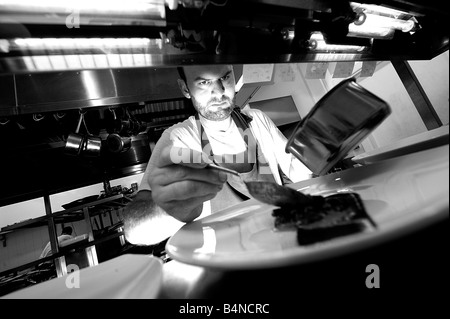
[
  {"x": 317, "y": 43},
  {"x": 91, "y": 12},
  {"x": 378, "y": 22}
]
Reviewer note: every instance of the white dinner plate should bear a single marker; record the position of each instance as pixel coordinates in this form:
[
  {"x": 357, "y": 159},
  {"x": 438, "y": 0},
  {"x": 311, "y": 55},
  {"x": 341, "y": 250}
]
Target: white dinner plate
[
  {"x": 402, "y": 195},
  {"x": 124, "y": 277},
  {"x": 411, "y": 144}
]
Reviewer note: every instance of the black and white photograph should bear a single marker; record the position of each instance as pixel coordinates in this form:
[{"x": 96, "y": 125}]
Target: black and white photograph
[{"x": 226, "y": 158}]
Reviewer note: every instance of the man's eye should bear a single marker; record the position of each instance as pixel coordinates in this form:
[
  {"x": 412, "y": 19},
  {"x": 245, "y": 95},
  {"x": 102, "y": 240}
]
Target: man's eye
[
  {"x": 226, "y": 77},
  {"x": 203, "y": 83}
]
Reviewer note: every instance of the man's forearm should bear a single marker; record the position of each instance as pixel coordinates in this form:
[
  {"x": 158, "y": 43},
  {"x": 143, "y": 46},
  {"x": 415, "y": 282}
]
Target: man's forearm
[{"x": 147, "y": 224}]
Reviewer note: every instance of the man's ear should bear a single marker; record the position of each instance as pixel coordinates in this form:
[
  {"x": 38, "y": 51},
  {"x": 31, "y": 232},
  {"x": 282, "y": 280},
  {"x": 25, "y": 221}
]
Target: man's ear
[{"x": 184, "y": 89}]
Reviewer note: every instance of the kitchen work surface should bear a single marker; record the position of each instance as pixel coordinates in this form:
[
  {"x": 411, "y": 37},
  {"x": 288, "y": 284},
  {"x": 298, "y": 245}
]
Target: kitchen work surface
[
  {"x": 124, "y": 277},
  {"x": 401, "y": 195}
]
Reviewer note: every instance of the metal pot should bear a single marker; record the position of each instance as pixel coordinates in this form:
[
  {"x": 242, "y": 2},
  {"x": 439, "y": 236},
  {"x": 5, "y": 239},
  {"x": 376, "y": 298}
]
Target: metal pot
[
  {"x": 83, "y": 145},
  {"x": 74, "y": 144},
  {"x": 138, "y": 153},
  {"x": 92, "y": 146},
  {"x": 75, "y": 141},
  {"x": 117, "y": 143}
]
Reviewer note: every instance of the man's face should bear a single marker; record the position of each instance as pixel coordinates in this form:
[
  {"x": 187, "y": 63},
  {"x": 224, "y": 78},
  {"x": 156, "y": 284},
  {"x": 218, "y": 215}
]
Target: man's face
[{"x": 212, "y": 90}]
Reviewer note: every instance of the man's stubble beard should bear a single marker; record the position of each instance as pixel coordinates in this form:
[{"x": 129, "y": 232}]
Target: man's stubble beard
[{"x": 219, "y": 115}]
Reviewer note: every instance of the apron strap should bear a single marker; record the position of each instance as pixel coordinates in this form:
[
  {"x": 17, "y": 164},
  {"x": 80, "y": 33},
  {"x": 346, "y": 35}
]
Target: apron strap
[{"x": 242, "y": 122}]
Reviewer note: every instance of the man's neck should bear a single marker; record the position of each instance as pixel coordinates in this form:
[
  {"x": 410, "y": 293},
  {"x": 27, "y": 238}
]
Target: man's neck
[{"x": 221, "y": 125}]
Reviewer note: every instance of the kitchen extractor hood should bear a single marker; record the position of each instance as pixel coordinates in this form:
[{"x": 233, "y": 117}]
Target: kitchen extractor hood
[
  {"x": 61, "y": 91},
  {"x": 78, "y": 35}
]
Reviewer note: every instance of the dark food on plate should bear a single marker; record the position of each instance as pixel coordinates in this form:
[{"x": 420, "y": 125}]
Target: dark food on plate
[
  {"x": 332, "y": 210},
  {"x": 323, "y": 218},
  {"x": 306, "y": 236}
]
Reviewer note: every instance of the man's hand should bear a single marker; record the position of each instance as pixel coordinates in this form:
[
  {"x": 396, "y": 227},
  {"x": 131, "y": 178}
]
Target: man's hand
[{"x": 180, "y": 183}]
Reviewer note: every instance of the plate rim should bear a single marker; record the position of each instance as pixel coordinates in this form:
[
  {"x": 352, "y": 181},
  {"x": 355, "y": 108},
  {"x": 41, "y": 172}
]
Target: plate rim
[{"x": 329, "y": 249}]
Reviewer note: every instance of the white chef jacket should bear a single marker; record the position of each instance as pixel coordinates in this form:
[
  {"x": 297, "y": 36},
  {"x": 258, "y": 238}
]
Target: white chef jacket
[{"x": 225, "y": 138}]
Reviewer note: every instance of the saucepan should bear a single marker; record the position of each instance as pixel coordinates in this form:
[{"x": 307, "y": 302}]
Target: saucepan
[
  {"x": 131, "y": 126},
  {"x": 84, "y": 145},
  {"x": 92, "y": 146},
  {"x": 117, "y": 143},
  {"x": 119, "y": 124},
  {"x": 74, "y": 142},
  {"x": 124, "y": 125},
  {"x": 120, "y": 132}
]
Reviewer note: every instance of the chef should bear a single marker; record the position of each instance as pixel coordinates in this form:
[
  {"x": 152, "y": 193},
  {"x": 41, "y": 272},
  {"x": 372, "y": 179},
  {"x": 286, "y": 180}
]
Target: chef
[{"x": 178, "y": 188}]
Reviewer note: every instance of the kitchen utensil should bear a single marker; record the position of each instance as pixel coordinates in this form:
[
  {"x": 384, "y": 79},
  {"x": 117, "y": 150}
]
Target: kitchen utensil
[
  {"x": 85, "y": 145},
  {"x": 277, "y": 195},
  {"x": 117, "y": 143},
  {"x": 37, "y": 117},
  {"x": 290, "y": 199},
  {"x": 138, "y": 153},
  {"x": 112, "y": 123},
  {"x": 133, "y": 126},
  {"x": 124, "y": 124},
  {"x": 75, "y": 140},
  {"x": 91, "y": 146},
  {"x": 271, "y": 193},
  {"x": 336, "y": 125},
  {"x": 81, "y": 201}
]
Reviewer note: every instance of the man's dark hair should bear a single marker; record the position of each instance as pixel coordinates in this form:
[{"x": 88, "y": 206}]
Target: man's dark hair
[
  {"x": 189, "y": 106},
  {"x": 67, "y": 230},
  {"x": 182, "y": 74}
]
